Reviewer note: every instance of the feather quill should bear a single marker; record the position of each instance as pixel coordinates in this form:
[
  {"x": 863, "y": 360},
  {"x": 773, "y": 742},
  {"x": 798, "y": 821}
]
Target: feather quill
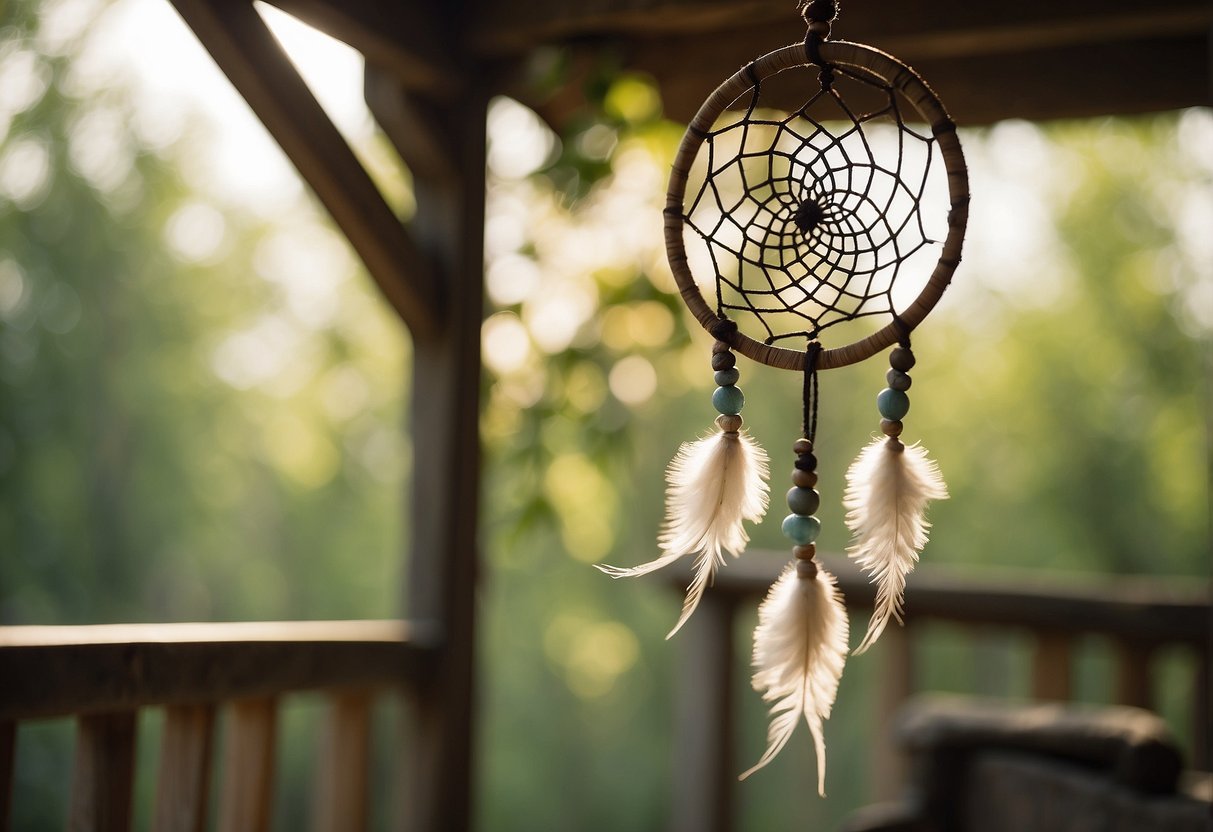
[
  {"x": 888, "y": 488},
  {"x": 800, "y": 646},
  {"x": 713, "y": 485}
]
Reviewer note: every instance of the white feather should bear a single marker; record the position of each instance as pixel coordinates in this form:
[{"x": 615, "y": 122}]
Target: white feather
[
  {"x": 713, "y": 485},
  {"x": 800, "y": 646},
  {"x": 886, "y": 499}
]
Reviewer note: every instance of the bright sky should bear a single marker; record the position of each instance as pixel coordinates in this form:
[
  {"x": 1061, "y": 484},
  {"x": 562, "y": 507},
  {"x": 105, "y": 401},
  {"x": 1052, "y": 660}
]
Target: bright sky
[{"x": 146, "y": 42}]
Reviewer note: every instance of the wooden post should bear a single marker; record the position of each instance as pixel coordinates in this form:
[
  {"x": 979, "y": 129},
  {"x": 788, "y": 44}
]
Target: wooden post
[
  {"x": 249, "y": 741},
  {"x": 704, "y": 769},
  {"x": 8, "y": 750},
  {"x": 103, "y": 773},
  {"x": 185, "y": 769},
  {"x": 1051, "y": 667},
  {"x": 896, "y": 685},
  {"x": 443, "y": 555},
  {"x": 342, "y": 771},
  {"x": 1202, "y": 711},
  {"x": 1133, "y": 674}
]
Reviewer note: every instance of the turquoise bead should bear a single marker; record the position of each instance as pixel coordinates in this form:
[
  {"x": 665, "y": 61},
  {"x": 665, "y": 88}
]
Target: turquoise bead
[
  {"x": 801, "y": 530},
  {"x": 728, "y": 401},
  {"x": 804, "y": 500},
  {"x": 893, "y": 404},
  {"x": 727, "y": 378}
]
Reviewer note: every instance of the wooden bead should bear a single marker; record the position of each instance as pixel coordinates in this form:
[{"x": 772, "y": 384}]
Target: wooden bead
[
  {"x": 892, "y": 404},
  {"x": 723, "y": 361},
  {"x": 897, "y": 380},
  {"x": 800, "y": 529},
  {"x": 729, "y": 377},
  {"x": 891, "y": 427},
  {"x": 804, "y": 479},
  {"x": 730, "y": 423},
  {"x": 901, "y": 359},
  {"x": 803, "y": 500},
  {"x": 819, "y": 28},
  {"x": 806, "y": 570},
  {"x": 720, "y": 346},
  {"x": 895, "y": 445},
  {"x": 806, "y": 462},
  {"x": 805, "y": 552},
  {"x": 802, "y": 446},
  {"x": 728, "y": 400}
]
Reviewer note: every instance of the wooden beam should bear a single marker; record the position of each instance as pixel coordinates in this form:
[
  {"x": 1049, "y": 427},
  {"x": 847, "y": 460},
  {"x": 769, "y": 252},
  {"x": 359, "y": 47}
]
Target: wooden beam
[
  {"x": 414, "y": 126},
  {"x": 183, "y": 789},
  {"x": 1157, "y": 611},
  {"x": 247, "y": 52},
  {"x": 411, "y": 41},
  {"x": 499, "y": 27},
  {"x": 440, "y": 585},
  {"x": 52, "y": 671},
  {"x": 987, "y": 61},
  {"x": 103, "y": 773},
  {"x": 1100, "y": 78}
]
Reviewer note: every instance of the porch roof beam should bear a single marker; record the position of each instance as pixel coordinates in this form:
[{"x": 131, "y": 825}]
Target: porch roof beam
[{"x": 248, "y": 53}]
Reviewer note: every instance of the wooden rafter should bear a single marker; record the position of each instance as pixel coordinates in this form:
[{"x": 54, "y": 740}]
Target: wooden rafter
[
  {"x": 504, "y": 26},
  {"x": 247, "y": 52},
  {"x": 1065, "y": 59},
  {"x": 406, "y": 39}
]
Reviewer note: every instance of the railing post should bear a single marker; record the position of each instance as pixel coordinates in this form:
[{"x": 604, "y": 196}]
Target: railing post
[
  {"x": 249, "y": 746},
  {"x": 1133, "y": 673},
  {"x": 343, "y": 766},
  {"x": 103, "y": 773},
  {"x": 182, "y": 794},
  {"x": 8, "y": 751},
  {"x": 704, "y": 770},
  {"x": 896, "y": 685},
  {"x": 1051, "y": 667}
]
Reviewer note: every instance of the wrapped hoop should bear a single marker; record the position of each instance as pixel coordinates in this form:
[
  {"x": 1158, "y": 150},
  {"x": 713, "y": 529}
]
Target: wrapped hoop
[{"x": 900, "y": 78}]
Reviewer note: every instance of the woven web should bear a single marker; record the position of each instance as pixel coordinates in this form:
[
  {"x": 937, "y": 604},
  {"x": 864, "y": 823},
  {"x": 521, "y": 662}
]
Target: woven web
[{"x": 809, "y": 220}]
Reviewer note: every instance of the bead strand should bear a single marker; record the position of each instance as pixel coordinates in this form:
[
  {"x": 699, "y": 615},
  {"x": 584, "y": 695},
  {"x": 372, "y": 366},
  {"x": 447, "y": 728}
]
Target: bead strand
[
  {"x": 802, "y": 526},
  {"x": 892, "y": 402},
  {"x": 727, "y": 398}
]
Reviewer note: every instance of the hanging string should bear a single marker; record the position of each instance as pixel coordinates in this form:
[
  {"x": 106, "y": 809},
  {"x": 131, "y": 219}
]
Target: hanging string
[
  {"x": 903, "y": 330},
  {"x": 817, "y": 11},
  {"x": 809, "y": 422}
]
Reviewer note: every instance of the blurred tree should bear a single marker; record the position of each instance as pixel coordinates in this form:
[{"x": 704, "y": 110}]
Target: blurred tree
[{"x": 200, "y": 407}]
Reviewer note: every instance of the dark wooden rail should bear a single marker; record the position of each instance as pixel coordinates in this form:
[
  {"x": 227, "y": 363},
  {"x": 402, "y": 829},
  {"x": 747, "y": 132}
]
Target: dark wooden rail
[
  {"x": 103, "y": 675},
  {"x": 1139, "y": 616}
]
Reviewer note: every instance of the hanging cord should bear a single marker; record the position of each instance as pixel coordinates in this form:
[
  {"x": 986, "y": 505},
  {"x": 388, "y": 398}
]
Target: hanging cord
[
  {"x": 903, "y": 330},
  {"x": 809, "y": 424},
  {"x": 818, "y": 15}
]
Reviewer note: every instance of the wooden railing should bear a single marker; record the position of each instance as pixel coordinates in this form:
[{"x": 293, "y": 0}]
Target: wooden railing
[
  {"x": 1139, "y": 616},
  {"x": 103, "y": 675}
]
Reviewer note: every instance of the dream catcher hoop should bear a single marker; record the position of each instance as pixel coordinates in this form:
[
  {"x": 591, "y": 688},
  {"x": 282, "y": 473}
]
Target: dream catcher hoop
[
  {"x": 808, "y": 224},
  {"x": 868, "y": 66}
]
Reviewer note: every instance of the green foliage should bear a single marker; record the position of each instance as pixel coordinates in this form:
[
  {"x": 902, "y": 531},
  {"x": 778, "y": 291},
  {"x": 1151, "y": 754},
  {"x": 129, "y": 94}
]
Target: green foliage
[{"x": 181, "y": 438}]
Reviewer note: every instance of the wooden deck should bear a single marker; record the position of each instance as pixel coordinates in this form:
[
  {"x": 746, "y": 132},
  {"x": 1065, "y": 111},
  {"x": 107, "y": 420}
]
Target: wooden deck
[{"x": 103, "y": 676}]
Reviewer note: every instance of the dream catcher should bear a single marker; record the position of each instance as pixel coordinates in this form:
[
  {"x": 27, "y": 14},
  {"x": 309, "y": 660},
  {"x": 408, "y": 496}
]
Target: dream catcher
[{"x": 818, "y": 196}]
